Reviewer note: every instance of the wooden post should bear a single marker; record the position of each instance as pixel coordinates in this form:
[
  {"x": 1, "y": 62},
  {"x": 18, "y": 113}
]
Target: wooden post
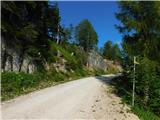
[{"x": 133, "y": 92}]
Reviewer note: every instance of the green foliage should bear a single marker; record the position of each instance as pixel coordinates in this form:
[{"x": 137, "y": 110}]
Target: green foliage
[
  {"x": 111, "y": 51},
  {"x": 71, "y": 60},
  {"x": 112, "y": 69},
  {"x": 124, "y": 90},
  {"x": 28, "y": 32},
  {"x": 13, "y": 84},
  {"x": 107, "y": 50},
  {"x": 59, "y": 77},
  {"x": 140, "y": 28},
  {"x": 78, "y": 73},
  {"x": 68, "y": 34},
  {"x": 99, "y": 72},
  {"x": 79, "y": 54},
  {"x": 53, "y": 21},
  {"x": 148, "y": 84},
  {"x": 144, "y": 114},
  {"x": 41, "y": 36},
  {"x": 75, "y": 57},
  {"x": 86, "y": 35}
]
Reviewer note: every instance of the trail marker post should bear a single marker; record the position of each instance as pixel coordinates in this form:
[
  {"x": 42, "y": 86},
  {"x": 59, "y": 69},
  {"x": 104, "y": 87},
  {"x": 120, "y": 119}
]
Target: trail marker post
[
  {"x": 133, "y": 92},
  {"x": 134, "y": 71}
]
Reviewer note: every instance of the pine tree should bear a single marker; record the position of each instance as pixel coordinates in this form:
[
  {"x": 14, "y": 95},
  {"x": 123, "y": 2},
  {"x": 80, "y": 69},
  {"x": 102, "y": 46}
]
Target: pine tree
[
  {"x": 86, "y": 36},
  {"x": 140, "y": 23},
  {"x": 111, "y": 51}
]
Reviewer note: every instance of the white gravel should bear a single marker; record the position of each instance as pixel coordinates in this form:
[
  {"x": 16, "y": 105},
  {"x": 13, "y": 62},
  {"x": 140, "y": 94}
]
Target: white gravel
[{"x": 87, "y": 98}]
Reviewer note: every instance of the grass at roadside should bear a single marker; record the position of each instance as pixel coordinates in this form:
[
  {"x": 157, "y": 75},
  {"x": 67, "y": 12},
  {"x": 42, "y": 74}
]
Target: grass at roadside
[
  {"x": 124, "y": 92},
  {"x": 16, "y": 84},
  {"x": 144, "y": 114}
]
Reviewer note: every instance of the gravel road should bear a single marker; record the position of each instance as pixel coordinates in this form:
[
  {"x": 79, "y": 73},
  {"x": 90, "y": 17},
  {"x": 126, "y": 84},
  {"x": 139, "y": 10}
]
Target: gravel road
[{"x": 87, "y": 98}]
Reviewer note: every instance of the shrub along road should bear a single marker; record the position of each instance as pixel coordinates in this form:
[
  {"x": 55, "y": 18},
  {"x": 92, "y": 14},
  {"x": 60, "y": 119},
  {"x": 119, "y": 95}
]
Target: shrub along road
[{"x": 87, "y": 98}]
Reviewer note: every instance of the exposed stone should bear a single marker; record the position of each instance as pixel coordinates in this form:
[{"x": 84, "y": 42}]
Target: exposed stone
[
  {"x": 12, "y": 62},
  {"x": 8, "y": 64},
  {"x": 96, "y": 61}
]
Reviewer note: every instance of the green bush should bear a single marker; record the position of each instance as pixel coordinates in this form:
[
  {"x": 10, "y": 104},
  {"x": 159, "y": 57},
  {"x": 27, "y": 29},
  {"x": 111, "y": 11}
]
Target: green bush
[
  {"x": 124, "y": 89},
  {"x": 15, "y": 83},
  {"x": 71, "y": 60},
  {"x": 79, "y": 54},
  {"x": 76, "y": 57},
  {"x": 148, "y": 85},
  {"x": 144, "y": 114},
  {"x": 98, "y": 72},
  {"x": 112, "y": 69},
  {"x": 59, "y": 77},
  {"x": 80, "y": 72}
]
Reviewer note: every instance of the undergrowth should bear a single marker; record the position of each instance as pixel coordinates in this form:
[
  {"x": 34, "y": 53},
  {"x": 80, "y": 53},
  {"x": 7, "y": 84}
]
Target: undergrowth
[
  {"x": 125, "y": 92},
  {"x": 14, "y": 84}
]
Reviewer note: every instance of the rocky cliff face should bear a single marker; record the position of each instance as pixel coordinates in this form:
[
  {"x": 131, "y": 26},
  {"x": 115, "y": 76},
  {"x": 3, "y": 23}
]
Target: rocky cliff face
[
  {"x": 11, "y": 60},
  {"x": 96, "y": 61}
]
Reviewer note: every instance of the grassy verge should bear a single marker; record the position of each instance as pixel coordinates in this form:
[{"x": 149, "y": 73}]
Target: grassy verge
[
  {"x": 144, "y": 114},
  {"x": 122, "y": 90},
  {"x": 16, "y": 84}
]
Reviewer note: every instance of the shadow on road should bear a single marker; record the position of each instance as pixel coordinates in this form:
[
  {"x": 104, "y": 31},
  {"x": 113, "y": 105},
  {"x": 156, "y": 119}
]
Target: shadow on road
[
  {"x": 108, "y": 78},
  {"x": 117, "y": 82}
]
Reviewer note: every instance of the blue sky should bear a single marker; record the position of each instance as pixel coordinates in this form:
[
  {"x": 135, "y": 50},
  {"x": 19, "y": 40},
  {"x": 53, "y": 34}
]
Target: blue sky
[{"x": 100, "y": 14}]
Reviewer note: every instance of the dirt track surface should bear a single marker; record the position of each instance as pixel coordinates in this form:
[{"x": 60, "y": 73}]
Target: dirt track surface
[{"x": 87, "y": 98}]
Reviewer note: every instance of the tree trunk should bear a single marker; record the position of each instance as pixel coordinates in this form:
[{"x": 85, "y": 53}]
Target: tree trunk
[
  {"x": 21, "y": 59},
  {"x": 11, "y": 62},
  {"x": 4, "y": 58},
  {"x": 146, "y": 93}
]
